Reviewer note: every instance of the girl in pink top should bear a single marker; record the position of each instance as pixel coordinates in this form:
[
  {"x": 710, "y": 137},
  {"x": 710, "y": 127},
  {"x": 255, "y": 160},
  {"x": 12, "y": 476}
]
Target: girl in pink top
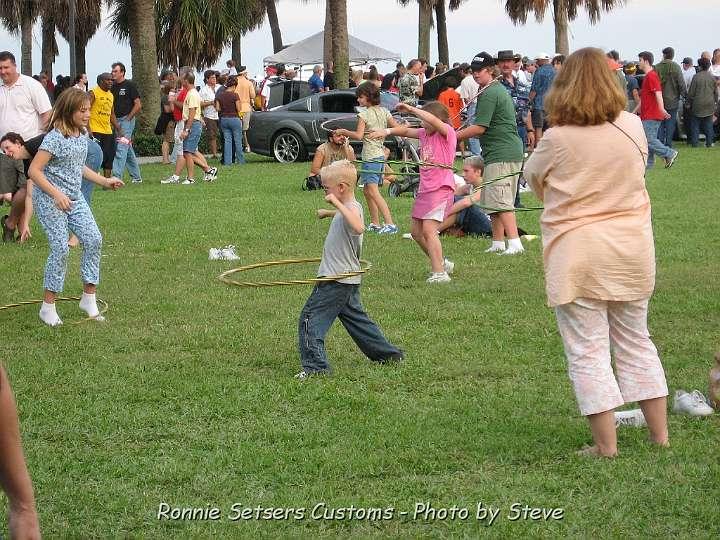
[{"x": 437, "y": 185}]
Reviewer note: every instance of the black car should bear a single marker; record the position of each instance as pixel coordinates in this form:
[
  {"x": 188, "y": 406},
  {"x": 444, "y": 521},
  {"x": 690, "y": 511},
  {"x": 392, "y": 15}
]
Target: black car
[{"x": 292, "y": 132}]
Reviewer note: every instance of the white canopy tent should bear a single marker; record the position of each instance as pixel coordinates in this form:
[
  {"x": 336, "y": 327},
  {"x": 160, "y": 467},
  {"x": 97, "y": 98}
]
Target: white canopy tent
[{"x": 310, "y": 51}]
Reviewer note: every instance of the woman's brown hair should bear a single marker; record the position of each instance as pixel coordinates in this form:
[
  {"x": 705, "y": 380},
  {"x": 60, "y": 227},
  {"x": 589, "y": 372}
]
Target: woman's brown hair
[
  {"x": 585, "y": 92},
  {"x": 67, "y": 104}
]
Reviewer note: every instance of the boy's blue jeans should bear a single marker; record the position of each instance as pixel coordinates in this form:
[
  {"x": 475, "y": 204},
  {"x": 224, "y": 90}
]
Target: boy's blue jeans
[{"x": 331, "y": 300}]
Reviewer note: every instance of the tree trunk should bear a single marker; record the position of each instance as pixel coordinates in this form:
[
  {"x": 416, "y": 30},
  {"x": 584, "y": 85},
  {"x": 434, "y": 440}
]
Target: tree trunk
[
  {"x": 236, "y": 51},
  {"x": 425, "y": 20},
  {"x": 80, "y": 58},
  {"x": 26, "y": 25},
  {"x": 143, "y": 54},
  {"x": 441, "y": 20},
  {"x": 49, "y": 45},
  {"x": 340, "y": 42},
  {"x": 274, "y": 25},
  {"x": 560, "y": 15},
  {"x": 328, "y": 36}
]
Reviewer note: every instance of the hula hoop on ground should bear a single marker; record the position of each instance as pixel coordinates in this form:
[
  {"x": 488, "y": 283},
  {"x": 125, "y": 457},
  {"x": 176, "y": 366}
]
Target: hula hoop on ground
[
  {"x": 257, "y": 284},
  {"x": 105, "y": 306}
]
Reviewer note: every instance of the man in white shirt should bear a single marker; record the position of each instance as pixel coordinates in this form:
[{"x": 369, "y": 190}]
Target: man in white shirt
[
  {"x": 468, "y": 91},
  {"x": 210, "y": 115},
  {"x": 688, "y": 70},
  {"x": 24, "y": 109}
]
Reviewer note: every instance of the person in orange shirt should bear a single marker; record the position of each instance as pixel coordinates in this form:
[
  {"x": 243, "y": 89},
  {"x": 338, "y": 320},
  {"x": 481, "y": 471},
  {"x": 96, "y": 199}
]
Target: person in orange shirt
[{"x": 451, "y": 99}]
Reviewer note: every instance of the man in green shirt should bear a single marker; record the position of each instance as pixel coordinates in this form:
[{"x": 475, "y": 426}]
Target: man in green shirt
[{"x": 502, "y": 150}]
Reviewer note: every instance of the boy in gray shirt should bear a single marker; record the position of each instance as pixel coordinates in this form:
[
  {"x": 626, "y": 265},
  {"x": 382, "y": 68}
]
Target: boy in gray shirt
[{"x": 341, "y": 298}]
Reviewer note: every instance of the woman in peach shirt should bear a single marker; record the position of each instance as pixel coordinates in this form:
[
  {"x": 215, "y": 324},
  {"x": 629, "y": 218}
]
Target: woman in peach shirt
[{"x": 598, "y": 247}]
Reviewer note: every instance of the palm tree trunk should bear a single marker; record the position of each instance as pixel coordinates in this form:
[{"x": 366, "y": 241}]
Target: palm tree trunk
[
  {"x": 341, "y": 53},
  {"x": 274, "y": 25},
  {"x": 49, "y": 45},
  {"x": 328, "y": 37},
  {"x": 26, "y": 45},
  {"x": 143, "y": 54},
  {"x": 560, "y": 15},
  {"x": 425, "y": 20},
  {"x": 236, "y": 50},
  {"x": 441, "y": 20},
  {"x": 80, "y": 58}
]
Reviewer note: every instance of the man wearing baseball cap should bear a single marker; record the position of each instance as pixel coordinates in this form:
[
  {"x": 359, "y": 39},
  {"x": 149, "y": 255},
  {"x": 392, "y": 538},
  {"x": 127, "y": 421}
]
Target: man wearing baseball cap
[
  {"x": 502, "y": 151},
  {"x": 688, "y": 70},
  {"x": 542, "y": 80}
]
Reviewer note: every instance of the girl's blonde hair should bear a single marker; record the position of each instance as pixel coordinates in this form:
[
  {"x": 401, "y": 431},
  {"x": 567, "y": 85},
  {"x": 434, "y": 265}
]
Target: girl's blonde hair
[
  {"x": 586, "y": 92},
  {"x": 437, "y": 109},
  {"x": 67, "y": 104}
]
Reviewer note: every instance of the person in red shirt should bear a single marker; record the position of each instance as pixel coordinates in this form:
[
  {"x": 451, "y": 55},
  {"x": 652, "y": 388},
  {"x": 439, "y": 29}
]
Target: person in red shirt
[
  {"x": 652, "y": 112},
  {"x": 453, "y": 101}
]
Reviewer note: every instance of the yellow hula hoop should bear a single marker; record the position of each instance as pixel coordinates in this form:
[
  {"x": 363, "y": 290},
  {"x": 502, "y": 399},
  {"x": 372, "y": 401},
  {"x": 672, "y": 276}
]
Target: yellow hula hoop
[
  {"x": 224, "y": 276},
  {"x": 104, "y": 304}
]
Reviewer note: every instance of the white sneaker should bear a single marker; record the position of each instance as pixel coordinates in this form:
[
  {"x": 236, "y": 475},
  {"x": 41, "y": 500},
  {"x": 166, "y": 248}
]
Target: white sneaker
[
  {"x": 525, "y": 189},
  {"x": 495, "y": 249},
  {"x": 448, "y": 266},
  {"x": 633, "y": 418},
  {"x": 211, "y": 174},
  {"x": 215, "y": 254},
  {"x": 692, "y": 404},
  {"x": 172, "y": 179},
  {"x": 188, "y": 182},
  {"x": 439, "y": 277},
  {"x": 407, "y": 236},
  {"x": 228, "y": 254},
  {"x": 513, "y": 251}
]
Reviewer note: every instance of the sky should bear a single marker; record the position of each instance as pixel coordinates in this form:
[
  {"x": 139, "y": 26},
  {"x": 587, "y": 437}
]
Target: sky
[{"x": 690, "y": 26}]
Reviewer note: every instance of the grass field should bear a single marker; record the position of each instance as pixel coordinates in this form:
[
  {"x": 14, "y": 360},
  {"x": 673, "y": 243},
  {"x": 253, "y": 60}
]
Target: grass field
[{"x": 186, "y": 397}]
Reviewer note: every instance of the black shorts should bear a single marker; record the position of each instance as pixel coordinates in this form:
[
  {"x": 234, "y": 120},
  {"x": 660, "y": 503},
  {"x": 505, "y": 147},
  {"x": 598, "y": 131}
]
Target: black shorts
[
  {"x": 12, "y": 174},
  {"x": 107, "y": 143}
]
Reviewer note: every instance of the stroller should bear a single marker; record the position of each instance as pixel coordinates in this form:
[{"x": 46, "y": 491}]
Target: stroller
[{"x": 408, "y": 176}]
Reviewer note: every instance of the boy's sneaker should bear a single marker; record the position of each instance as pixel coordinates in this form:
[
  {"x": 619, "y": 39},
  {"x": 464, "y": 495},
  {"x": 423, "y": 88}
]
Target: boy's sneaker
[
  {"x": 137, "y": 180},
  {"x": 633, "y": 418},
  {"x": 393, "y": 359},
  {"x": 448, "y": 266},
  {"x": 214, "y": 254},
  {"x": 669, "y": 161},
  {"x": 188, "y": 181},
  {"x": 439, "y": 277},
  {"x": 211, "y": 174},
  {"x": 305, "y": 375},
  {"x": 228, "y": 253},
  {"x": 388, "y": 229},
  {"x": 692, "y": 404},
  {"x": 172, "y": 179},
  {"x": 407, "y": 236},
  {"x": 373, "y": 228}
]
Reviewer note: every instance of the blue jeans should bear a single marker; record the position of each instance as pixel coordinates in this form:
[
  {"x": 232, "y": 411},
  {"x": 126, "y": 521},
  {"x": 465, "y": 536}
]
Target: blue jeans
[
  {"x": 704, "y": 124},
  {"x": 124, "y": 153},
  {"x": 655, "y": 146},
  {"x": 474, "y": 142},
  {"x": 667, "y": 128},
  {"x": 93, "y": 161},
  {"x": 331, "y": 300},
  {"x": 232, "y": 134}
]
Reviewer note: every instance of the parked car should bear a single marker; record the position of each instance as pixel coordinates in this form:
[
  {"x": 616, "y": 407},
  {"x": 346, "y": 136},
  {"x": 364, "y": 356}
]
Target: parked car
[{"x": 292, "y": 132}]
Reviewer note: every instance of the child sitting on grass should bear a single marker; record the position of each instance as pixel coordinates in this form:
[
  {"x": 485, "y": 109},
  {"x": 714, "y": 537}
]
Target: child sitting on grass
[
  {"x": 340, "y": 299},
  {"x": 464, "y": 216}
]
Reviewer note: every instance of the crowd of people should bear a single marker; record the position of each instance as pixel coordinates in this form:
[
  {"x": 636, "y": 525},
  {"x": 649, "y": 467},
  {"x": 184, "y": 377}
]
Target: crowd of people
[{"x": 558, "y": 110}]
